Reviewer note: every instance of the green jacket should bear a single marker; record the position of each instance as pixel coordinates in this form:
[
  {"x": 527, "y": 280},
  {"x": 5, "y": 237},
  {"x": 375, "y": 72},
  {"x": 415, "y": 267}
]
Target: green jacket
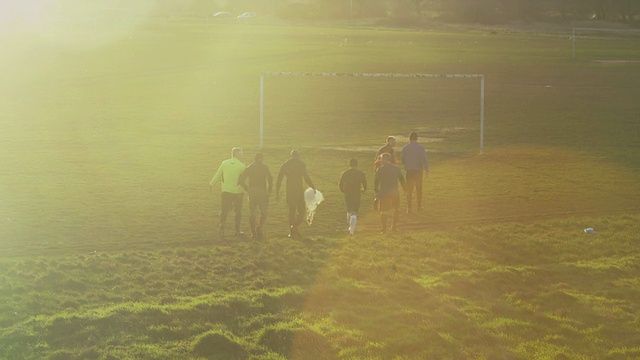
[{"x": 228, "y": 174}]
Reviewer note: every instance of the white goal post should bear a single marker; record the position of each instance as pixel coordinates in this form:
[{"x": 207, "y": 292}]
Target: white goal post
[{"x": 386, "y": 75}]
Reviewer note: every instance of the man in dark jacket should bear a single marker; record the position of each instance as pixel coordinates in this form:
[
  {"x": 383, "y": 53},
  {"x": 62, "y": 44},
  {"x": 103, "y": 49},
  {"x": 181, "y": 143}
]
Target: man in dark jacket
[
  {"x": 259, "y": 188},
  {"x": 352, "y": 183},
  {"x": 387, "y": 192},
  {"x": 295, "y": 171}
]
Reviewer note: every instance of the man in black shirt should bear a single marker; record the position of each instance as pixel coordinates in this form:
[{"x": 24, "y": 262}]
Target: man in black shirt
[
  {"x": 388, "y": 149},
  {"x": 387, "y": 192},
  {"x": 259, "y": 188},
  {"x": 295, "y": 171},
  {"x": 352, "y": 183}
]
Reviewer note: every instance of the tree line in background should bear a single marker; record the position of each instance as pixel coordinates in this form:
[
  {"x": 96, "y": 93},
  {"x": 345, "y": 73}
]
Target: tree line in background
[
  {"x": 407, "y": 12},
  {"x": 473, "y": 11},
  {"x": 399, "y": 12},
  {"x": 497, "y": 11}
]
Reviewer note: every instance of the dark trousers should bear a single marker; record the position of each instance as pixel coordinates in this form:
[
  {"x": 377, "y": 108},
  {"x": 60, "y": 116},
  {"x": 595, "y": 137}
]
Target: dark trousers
[
  {"x": 297, "y": 209},
  {"x": 414, "y": 181},
  {"x": 389, "y": 204},
  {"x": 352, "y": 201},
  {"x": 258, "y": 201},
  {"x": 230, "y": 202}
]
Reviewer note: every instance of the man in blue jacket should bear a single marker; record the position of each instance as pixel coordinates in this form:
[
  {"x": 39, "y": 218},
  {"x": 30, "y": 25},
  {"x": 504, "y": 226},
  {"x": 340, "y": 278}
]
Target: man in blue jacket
[{"x": 415, "y": 161}]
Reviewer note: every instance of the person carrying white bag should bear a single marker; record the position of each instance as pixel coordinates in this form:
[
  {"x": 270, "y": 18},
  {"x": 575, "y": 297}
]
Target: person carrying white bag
[{"x": 296, "y": 172}]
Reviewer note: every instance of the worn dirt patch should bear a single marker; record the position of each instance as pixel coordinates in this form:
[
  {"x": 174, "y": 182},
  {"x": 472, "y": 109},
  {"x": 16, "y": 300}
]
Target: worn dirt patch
[
  {"x": 403, "y": 139},
  {"x": 615, "y": 62}
]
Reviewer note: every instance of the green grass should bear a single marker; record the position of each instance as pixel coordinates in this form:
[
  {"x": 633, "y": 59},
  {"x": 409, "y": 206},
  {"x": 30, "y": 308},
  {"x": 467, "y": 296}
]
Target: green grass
[
  {"x": 506, "y": 290},
  {"x": 107, "y": 224}
]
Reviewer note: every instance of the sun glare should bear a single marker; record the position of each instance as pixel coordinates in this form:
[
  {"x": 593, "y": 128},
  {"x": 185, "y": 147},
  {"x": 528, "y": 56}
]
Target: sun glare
[
  {"x": 79, "y": 25},
  {"x": 17, "y": 12}
]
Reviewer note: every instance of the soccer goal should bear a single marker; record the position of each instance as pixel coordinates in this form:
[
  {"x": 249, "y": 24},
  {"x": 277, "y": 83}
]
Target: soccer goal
[
  {"x": 606, "y": 44},
  {"x": 448, "y": 104}
]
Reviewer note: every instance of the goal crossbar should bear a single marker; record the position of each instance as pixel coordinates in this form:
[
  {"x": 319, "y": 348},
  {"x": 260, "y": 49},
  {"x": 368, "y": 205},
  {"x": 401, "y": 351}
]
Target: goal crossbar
[{"x": 382, "y": 75}]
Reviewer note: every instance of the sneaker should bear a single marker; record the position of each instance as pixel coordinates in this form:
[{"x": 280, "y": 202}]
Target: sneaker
[
  {"x": 239, "y": 233},
  {"x": 293, "y": 232}
]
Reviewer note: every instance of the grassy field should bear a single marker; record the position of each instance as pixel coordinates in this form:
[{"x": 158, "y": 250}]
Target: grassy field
[{"x": 107, "y": 223}]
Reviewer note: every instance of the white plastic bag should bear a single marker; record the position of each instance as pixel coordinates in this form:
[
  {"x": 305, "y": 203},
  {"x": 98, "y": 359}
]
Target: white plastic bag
[{"x": 312, "y": 200}]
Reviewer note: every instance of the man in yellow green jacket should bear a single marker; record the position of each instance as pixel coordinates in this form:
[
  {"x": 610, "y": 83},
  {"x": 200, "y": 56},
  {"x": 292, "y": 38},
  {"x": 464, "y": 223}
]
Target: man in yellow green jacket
[{"x": 232, "y": 193}]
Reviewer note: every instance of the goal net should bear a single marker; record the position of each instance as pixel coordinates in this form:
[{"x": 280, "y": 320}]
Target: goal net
[
  {"x": 320, "y": 109},
  {"x": 606, "y": 44}
]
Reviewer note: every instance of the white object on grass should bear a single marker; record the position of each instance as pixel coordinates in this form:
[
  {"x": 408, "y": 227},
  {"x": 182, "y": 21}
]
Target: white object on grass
[
  {"x": 311, "y": 200},
  {"x": 247, "y": 15}
]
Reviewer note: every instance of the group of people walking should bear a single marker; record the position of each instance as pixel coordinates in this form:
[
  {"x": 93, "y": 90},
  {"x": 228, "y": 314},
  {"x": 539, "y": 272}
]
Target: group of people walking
[
  {"x": 256, "y": 180},
  {"x": 387, "y": 182},
  {"x": 234, "y": 175}
]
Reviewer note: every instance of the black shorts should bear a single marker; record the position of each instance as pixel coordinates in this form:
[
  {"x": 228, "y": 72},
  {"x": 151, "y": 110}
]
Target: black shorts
[
  {"x": 258, "y": 199},
  {"x": 231, "y": 201},
  {"x": 353, "y": 202},
  {"x": 295, "y": 200},
  {"x": 389, "y": 202}
]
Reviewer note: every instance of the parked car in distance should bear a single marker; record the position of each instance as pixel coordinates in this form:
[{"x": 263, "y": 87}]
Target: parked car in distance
[
  {"x": 222, "y": 14},
  {"x": 247, "y": 15}
]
